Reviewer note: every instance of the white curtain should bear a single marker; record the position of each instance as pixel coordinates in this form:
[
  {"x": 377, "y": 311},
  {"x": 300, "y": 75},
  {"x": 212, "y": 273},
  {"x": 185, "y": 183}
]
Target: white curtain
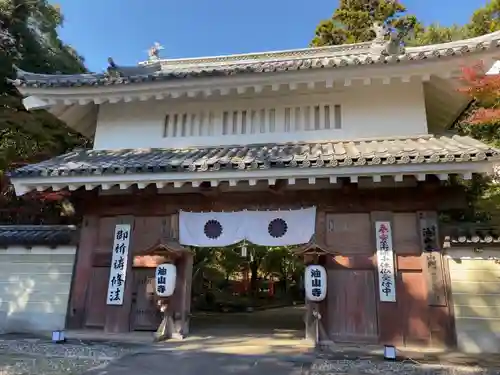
[
  {"x": 211, "y": 229},
  {"x": 280, "y": 228},
  {"x": 264, "y": 228}
]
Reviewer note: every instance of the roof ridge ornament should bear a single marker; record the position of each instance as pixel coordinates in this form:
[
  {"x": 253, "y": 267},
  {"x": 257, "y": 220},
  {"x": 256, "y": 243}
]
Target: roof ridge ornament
[
  {"x": 154, "y": 52},
  {"x": 383, "y": 46},
  {"x": 112, "y": 69}
]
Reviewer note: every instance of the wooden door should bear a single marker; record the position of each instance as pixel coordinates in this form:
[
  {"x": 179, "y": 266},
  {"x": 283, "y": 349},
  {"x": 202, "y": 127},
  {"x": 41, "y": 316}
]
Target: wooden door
[
  {"x": 352, "y": 309},
  {"x": 95, "y": 313},
  {"x": 145, "y": 313},
  {"x": 413, "y": 308}
]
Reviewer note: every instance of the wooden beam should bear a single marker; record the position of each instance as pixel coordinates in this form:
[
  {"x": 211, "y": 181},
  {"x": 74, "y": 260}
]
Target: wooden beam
[
  {"x": 209, "y": 191},
  {"x": 279, "y": 187}
]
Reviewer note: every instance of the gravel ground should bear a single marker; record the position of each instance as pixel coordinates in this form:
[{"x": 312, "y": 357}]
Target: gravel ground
[
  {"x": 358, "y": 367},
  {"x": 26, "y": 364},
  {"x": 25, "y": 356},
  {"x": 21, "y": 356}
]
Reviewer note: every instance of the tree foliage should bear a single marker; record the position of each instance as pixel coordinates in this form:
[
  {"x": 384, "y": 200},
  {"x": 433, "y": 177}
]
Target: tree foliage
[
  {"x": 485, "y": 19},
  {"x": 484, "y": 90},
  {"x": 352, "y": 21},
  {"x": 482, "y": 121},
  {"x": 221, "y": 264},
  {"x": 29, "y": 40},
  {"x": 435, "y": 33}
]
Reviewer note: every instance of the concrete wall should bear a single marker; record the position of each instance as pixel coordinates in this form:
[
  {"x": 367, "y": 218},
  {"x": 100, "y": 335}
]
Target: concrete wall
[
  {"x": 475, "y": 287},
  {"x": 375, "y": 110},
  {"x": 34, "y": 288}
]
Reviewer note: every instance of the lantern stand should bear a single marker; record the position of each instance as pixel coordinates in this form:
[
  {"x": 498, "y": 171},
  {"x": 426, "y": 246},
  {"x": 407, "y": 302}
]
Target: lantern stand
[
  {"x": 314, "y": 252},
  {"x": 166, "y": 327},
  {"x": 244, "y": 249},
  {"x": 316, "y": 315},
  {"x": 316, "y": 257}
]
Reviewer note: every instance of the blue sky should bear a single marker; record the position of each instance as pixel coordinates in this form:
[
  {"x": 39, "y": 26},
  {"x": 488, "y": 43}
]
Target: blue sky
[{"x": 125, "y": 29}]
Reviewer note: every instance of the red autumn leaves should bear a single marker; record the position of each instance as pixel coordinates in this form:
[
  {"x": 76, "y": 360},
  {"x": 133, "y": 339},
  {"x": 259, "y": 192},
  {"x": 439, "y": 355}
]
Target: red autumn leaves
[{"x": 484, "y": 88}]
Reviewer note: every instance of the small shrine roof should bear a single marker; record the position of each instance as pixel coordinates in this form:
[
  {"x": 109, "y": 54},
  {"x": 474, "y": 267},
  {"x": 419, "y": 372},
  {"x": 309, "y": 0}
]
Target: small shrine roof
[
  {"x": 370, "y": 152},
  {"x": 37, "y": 235},
  {"x": 362, "y": 54}
]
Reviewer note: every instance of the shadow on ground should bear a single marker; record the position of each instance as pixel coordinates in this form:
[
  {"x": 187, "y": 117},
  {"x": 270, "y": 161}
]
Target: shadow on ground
[
  {"x": 213, "y": 363},
  {"x": 260, "y": 354}
]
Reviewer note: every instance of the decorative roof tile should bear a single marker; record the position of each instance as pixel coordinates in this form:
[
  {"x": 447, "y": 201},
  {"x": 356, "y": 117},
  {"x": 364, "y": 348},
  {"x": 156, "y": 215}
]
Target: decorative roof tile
[
  {"x": 37, "y": 235},
  {"x": 466, "y": 234},
  {"x": 304, "y": 59},
  {"x": 388, "y": 151}
]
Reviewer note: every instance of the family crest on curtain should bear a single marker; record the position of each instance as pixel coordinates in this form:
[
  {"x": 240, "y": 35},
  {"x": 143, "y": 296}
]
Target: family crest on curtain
[{"x": 264, "y": 228}]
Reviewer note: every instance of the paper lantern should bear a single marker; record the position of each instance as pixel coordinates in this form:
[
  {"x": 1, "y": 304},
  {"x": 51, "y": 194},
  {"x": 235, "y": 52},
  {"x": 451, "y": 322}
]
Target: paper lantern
[
  {"x": 166, "y": 274},
  {"x": 315, "y": 283}
]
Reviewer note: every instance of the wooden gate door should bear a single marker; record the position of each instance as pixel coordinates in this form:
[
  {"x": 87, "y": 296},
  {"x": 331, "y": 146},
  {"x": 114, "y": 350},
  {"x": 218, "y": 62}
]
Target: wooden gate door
[
  {"x": 352, "y": 309},
  {"x": 95, "y": 311},
  {"x": 145, "y": 313}
]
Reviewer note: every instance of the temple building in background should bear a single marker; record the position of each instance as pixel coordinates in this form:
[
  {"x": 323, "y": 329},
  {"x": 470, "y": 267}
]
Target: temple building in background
[{"x": 355, "y": 135}]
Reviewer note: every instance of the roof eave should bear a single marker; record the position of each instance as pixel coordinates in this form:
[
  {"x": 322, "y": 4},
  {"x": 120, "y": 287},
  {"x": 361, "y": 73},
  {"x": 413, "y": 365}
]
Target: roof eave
[
  {"x": 38, "y": 235},
  {"x": 80, "y": 118},
  {"x": 241, "y": 84},
  {"x": 23, "y": 185}
]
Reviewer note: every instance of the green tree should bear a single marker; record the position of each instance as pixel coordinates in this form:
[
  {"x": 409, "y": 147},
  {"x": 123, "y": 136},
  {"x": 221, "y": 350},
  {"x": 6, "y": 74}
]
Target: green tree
[
  {"x": 282, "y": 262},
  {"x": 229, "y": 259},
  {"x": 29, "y": 40},
  {"x": 482, "y": 120},
  {"x": 435, "y": 33},
  {"x": 352, "y": 22},
  {"x": 485, "y": 19}
]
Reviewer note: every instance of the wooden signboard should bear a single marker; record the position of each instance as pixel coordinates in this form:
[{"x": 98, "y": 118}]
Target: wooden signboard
[{"x": 436, "y": 289}]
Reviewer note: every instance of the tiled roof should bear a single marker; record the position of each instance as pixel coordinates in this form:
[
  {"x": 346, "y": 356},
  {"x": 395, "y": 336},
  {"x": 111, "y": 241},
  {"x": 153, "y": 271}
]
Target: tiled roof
[
  {"x": 311, "y": 58},
  {"x": 37, "y": 235},
  {"x": 470, "y": 234},
  {"x": 389, "y": 151}
]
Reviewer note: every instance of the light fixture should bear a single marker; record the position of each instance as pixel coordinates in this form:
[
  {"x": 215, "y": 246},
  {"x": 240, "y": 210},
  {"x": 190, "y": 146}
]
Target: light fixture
[
  {"x": 244, "y": 250},
  {"x": 58, "y": 336},
  {"x": 389, "y": 353}
]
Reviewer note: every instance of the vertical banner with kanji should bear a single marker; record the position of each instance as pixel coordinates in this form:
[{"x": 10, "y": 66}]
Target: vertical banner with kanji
[
  {"x": 385, "y": 261},
  {"x": 118, "y": 269}
]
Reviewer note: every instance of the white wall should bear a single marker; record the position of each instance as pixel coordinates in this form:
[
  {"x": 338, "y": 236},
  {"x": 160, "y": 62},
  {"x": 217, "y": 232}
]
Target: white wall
[
  {"x": 34, "y": 288},
  {"x": 375, "y": 110},
  {"x": 475, "y": 288}
]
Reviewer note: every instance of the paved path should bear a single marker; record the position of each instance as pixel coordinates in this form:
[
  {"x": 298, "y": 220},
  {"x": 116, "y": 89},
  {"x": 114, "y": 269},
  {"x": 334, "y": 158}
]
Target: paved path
[
  {"x": 249, "y": 347},
  {"x": 199, "y": 363},
  {"x": 234, "y": 355},
  {"x": 203, "y": 363},
  {"x": 281, "y": 318}
]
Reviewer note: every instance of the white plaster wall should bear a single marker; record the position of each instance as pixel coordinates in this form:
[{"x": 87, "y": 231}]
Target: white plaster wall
[
  {"x": 34, "y": 288},
  {"x": 375, "y": 110},
  {"x": 475, "y": 288}
]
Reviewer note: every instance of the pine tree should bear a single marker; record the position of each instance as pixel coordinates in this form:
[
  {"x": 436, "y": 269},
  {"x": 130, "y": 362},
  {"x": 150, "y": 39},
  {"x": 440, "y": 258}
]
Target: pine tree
[{"x": 352, "y": 22}]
